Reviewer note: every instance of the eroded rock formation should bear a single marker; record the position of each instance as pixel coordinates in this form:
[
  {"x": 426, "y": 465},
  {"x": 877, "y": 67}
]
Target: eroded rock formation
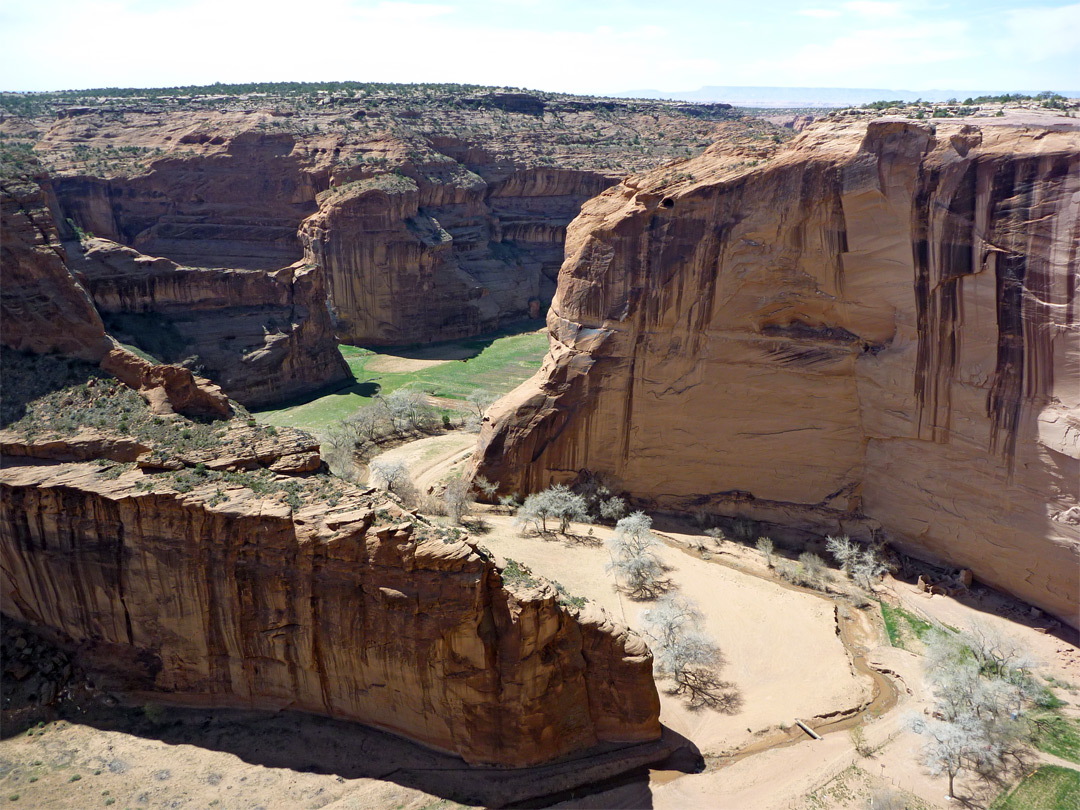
[
  {"x": 216, "y": 570},
  {"x": 874, "y": 332},
  {"x": 44, "y": 309},
  {"x": 473, "y": 191},
  {"x": 263, "y": 336}
]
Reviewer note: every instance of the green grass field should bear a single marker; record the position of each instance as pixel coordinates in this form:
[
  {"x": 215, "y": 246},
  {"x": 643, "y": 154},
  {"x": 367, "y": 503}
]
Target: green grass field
[
  {"x": 496, "y": 364},
  {"x": 903, "y": 626},
  {"x": 1049, "y": 788}
]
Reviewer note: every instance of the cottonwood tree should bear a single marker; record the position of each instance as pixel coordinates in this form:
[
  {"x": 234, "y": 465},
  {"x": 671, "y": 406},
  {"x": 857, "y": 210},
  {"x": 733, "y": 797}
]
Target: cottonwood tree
[
  {"x": 393, "y": 476},
  {"x": 683, "y": 652},
  {"x": 863, "y": 565},
  {"x": 868, "y": 568},
  {"x": 407, "y": 410},
  {"x": 632, "y": 556},
  {"x": 487, "y": 488},
  {"x": 481, "y": 400},
  {"x": 558, "y": 503},
  {"x": 843, "y": 550},
  {"x": 457, "y": 498},
  {"x": 612, "y": 508},
  {"x": 976, "y": 722}
]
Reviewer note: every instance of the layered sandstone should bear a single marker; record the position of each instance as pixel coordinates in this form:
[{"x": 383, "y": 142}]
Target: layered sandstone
[
  {"x": 248, "y": 588},
  {"x": 44, "y": 309},
  {"x": 262, "y": 336},
  {"x": 473, "y": 242},
  {"x": 874, "y": 332}
]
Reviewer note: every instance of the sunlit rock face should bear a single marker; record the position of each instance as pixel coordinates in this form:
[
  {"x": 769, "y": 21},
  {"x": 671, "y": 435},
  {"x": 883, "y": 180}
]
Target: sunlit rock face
[
  {"x": 351, "y": 608},
  {"x": 875, "y": 332}
]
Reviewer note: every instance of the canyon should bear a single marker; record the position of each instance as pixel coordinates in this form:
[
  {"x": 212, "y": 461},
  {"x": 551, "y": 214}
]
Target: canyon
[
  {"x": 868, "y": 327},
  {"x": 873, "y": 332},
  {"x": 431, "y": 213},
  {"x": 184, "y": 554}
]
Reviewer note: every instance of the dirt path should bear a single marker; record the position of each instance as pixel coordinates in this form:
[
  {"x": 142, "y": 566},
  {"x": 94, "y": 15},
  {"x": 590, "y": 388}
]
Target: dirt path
[{"x": 434, "y": 458}]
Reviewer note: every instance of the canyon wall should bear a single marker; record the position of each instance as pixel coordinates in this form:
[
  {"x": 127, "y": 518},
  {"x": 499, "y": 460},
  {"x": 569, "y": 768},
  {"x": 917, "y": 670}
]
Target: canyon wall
[
  {"x": 477, "y": 190},
  {"x": 262, "y": 336},
  {"x": 875, "y": 332},
  {"x": 194, "y": 587}
]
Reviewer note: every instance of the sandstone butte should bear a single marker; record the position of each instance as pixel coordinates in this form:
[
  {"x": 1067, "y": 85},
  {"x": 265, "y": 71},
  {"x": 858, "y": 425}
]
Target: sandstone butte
[
  {"x": 225, "y": 223},
  {"x": 873, "y": 332},
  {"x": 231, "y": 573}
]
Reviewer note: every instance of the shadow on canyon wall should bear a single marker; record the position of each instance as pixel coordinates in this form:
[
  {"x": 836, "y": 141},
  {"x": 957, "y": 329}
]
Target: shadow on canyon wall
[{"x": 42, "y": 682}]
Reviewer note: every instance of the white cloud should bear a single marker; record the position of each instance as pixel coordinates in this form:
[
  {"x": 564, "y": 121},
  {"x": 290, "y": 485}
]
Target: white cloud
[
  {"x": 875, "y": 8},
  {"x": 822, "y": 13}
]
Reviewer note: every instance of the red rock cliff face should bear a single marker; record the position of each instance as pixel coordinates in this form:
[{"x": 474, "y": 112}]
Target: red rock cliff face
[
  {"x": 354, "y": 611},
  {"x": 42, "y": 307},
  {"x": 262, "y": 336},
  {"x": 876, "y": 331},
  {"x": 225, "y": 182}
]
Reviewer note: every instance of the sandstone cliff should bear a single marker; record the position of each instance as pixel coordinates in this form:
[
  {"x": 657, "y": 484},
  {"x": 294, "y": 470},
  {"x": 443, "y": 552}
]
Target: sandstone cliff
[
  {"x": 44, "y": 309},
  {"x": 221, "y": 569},
  {"x": 874, "y": 332},
  {"x": 472, "y": 241},
  {"x": 262, "y": 336}
]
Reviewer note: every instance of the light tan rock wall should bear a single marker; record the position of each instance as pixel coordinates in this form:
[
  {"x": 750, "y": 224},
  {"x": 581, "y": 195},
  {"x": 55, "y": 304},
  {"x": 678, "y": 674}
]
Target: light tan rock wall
[{"x": 875, "y": 331}]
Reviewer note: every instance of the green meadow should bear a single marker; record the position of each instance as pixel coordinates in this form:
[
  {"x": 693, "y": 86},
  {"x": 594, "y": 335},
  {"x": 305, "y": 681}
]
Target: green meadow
[{"x": 448, "y": 370}]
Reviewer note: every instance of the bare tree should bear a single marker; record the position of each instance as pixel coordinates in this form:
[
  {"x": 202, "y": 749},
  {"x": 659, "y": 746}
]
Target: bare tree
[
  {"x": 393, "y": 476},
  {"x": 868, "y": 568},
  {"x": 407, "y": 410},
  {"x": 556, "y": 502},
  {"x": 456, "y": 498},
  {"x": 633, "y": 536},
  {"x": 567, "y": 506},
  {"x": 535, "y": 512},
  {"x": 765, "y": 546},
  {"x": 844, "y": 551},
  {"x": 487, "y": 488},
  {"x": 481, "y": 400},
  {"x": 612, "y": 508},
  {"x": 510, "y": 502},
  {"x": 948, "y": 746},
  {"x": 976, "y": 722},
  {"x": 684, "y": 653},
  {"x": 813, "y": 567},
  {"x": 632, "y": 556}
]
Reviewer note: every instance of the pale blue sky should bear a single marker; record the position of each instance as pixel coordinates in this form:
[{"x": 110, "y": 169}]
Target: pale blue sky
[{"x": 592, "y": 46}]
